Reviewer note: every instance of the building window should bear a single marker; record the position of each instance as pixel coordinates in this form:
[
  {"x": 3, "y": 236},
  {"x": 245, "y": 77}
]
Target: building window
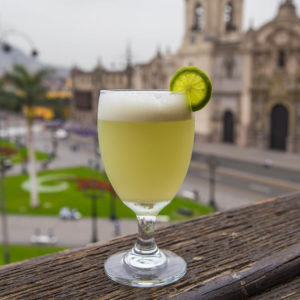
[
  {"x": 198, "y": 18},
  {"x": 83, "y": 100},
  {"x": 229, "y": 25},
  {"x": 229, "y": 67},
  {"x": 281, "y": 59}
]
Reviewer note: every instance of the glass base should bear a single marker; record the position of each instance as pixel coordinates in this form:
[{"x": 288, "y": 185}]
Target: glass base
[{"x": 171, "y": 270}]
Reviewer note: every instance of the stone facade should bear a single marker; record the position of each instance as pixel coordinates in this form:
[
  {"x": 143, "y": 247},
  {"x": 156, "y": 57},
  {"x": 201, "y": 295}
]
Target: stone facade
[
  {"x": 256, "y": 76},
  {"x": 86, "y": 87},
  {"x": 275, "y": 81}
]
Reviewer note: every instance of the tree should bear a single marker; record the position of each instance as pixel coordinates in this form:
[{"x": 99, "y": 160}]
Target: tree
[{"x": 22, "y": 89}]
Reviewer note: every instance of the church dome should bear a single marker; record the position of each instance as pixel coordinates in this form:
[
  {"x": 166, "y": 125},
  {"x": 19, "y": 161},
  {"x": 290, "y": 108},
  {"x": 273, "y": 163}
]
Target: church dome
[{"x": 287, "y": 11}]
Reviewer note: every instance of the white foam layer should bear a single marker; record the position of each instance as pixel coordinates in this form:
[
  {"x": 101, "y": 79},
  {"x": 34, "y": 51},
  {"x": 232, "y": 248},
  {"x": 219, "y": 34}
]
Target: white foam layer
[{"x": 143, "y": 106}]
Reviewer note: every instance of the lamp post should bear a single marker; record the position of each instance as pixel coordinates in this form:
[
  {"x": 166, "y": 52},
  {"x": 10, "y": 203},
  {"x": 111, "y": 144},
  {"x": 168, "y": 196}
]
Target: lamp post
[
  {"x": 212, "y": 165},
  {"x": 96, "y": 151},
  {"x": 113, "y": 215},
  {"x": 54, "y": 147},
  {"x": 94, "y": 194},
  {"x": 7, "y": 48},
  {"x": 5, "y": 239},
  {"x": 4, "y": 165}
]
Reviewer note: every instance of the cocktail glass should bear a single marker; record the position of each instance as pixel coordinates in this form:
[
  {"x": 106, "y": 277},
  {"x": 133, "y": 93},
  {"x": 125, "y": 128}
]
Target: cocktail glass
[{"x": 146, "y": 140}]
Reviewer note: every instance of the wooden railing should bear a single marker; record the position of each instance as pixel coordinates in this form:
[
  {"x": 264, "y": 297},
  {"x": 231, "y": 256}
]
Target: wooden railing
[{"x": 249, "y": 252}]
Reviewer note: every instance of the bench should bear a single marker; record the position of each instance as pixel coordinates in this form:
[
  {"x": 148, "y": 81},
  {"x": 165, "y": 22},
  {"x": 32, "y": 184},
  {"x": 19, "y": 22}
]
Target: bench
[{"x": 252, "y": 252}]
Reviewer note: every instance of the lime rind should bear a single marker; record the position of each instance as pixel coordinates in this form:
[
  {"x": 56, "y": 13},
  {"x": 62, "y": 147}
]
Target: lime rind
[{"x": 196, "y": 85}]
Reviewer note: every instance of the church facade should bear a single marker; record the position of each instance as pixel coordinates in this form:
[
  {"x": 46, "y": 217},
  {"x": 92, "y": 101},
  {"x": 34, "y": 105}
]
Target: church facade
[{"x": 255, "y": 75}]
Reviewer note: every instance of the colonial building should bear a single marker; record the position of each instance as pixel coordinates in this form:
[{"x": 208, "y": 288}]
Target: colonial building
[{"x": 255, "y": 75}]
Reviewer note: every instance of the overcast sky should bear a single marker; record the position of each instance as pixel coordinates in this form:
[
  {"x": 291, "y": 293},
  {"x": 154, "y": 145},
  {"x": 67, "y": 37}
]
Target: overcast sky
[{"x": 81, "y": 32}]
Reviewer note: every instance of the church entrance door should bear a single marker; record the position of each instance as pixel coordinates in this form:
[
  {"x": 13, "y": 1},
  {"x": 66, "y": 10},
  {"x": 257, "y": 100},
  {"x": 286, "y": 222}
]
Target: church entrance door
[
  {"x": 279, "y": 127},
  {"x": 228, "y": 127}
]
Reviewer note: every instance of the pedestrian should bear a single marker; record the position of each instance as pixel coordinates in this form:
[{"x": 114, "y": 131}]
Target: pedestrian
[
  {"x": 74, "y": 214},
  {"x": 117, "y": 227},
  {"x": 268, "y": 163},
  {"x": 64, "y": 213}
]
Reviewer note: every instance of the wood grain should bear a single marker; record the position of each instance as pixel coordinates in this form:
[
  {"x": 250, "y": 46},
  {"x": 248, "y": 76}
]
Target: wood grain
[
  {"x": 232, "y": 255},
  {"x": 286, "y": 291}
]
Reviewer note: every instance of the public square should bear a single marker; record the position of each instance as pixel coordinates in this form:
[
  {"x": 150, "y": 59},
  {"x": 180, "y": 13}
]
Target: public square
[{"x": 241, "y": 178}]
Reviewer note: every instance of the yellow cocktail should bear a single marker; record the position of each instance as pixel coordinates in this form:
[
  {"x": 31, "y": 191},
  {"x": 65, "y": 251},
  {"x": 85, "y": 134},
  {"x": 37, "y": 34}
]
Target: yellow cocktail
[
  {"x": 146, "y": 141},
  {"x": 146, "y": 161}
]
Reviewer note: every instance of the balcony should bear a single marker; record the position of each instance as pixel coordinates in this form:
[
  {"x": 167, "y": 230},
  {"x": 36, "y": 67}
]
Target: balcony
[{"x": 249, "y": 252}]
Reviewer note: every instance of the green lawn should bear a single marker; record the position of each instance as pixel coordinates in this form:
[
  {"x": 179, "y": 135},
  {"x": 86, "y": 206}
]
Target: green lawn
[
  {"x": 22, "y": 153},
  {"x": 20, "y": 252},
  {"x": 18, "y": 199}
]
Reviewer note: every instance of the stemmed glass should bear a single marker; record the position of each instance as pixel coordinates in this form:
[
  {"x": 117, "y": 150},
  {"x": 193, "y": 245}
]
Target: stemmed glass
[{"x": 146, "y": 140}]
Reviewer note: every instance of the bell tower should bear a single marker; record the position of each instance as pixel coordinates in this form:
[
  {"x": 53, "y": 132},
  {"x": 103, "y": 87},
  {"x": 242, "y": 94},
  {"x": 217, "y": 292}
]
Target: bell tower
[
  {"x": 215, "y": 19},
  {"x": 209, "y": 24}
]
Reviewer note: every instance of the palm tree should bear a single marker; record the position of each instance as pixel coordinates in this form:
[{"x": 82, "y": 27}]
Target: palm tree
[{"x": 26, "y": 90}]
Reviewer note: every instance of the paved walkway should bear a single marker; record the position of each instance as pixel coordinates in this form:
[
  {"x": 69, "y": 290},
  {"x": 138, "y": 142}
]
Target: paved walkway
[
  {"x": 68, "y": 232},
  {"x": 66, "y": 157},
  {"x": 255, "y": 155}
]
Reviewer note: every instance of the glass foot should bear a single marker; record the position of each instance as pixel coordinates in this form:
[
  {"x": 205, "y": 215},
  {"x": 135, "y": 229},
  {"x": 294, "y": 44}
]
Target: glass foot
[{"x": 117, "y": 269}]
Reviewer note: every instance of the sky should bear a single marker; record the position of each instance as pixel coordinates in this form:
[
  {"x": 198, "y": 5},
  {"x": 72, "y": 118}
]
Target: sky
[{"x": 85, "y": 32}]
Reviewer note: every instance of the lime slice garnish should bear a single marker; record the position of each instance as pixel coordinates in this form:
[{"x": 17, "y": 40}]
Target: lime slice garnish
[{"x": 196, "y": 85}]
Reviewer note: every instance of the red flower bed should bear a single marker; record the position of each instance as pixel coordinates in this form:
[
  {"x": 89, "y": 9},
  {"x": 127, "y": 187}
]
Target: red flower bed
[
  {"x": 7, "y": 151},
  {"x": 95, "y": 184}
]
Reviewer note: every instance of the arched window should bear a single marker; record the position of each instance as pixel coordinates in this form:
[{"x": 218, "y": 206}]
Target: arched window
[
  {"x": 192, "y": 39},
  {"x": 229, "y": 67},
  {"x": 229, "y": 25},
  {"x": 199, "y": 17},
  {"x": 281, "y": 59}
]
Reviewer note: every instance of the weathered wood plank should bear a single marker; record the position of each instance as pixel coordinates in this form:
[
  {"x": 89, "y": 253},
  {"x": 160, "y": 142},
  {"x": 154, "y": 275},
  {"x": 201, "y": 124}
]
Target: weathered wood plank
[
  {"x": 286, "y": 291},
  {"x": 258, "y": 277},
  {"x": 225, "y": 252}
]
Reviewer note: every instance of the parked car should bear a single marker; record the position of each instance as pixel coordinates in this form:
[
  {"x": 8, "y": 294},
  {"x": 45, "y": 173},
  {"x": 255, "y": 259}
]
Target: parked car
[{"x": 61, "y": 134}]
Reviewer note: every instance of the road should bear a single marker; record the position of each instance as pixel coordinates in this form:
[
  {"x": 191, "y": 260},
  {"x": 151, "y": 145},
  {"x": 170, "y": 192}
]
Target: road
[
  {"x": 234, "y": 188},
  {"x": 252, "y": 168}
]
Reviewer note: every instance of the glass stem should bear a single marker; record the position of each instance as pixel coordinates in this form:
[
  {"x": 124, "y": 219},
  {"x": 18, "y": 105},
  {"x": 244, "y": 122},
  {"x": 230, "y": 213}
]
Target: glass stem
[{"x": 145, "y": 244}]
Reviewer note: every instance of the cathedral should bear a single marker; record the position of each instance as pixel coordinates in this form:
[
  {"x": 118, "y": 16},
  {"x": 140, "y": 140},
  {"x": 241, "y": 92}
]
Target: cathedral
[{"x": 255, "y": 76}]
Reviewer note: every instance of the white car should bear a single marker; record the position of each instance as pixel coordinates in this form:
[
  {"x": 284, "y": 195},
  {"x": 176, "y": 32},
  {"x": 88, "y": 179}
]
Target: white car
[{"x": 61, "y": 134}]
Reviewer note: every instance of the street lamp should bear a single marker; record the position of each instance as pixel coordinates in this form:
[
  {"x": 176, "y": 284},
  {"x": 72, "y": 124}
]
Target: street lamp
[
  {"x": 96, "y": 151},
  {"x": 113, "y": 215},
  {"x": 54, "y": 147},
  {"x": 7, "y": 48},
  {"x": 90, "y": 190},
  {"x": 5, "y": 164},
  {"x": 5, "y": 240},
  {"x": 212, "y": 162}
]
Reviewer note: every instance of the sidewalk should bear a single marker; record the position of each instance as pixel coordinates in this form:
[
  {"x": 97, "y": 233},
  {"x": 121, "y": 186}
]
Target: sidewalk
[
  {"x": 69, "y": 233},
  {"x": 65, "y": 158},
  {"x": 252, "y": 155}
]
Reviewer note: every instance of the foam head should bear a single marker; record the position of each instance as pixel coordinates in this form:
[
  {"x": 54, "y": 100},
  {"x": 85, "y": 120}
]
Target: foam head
[{"x": 142, "y": 106}]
